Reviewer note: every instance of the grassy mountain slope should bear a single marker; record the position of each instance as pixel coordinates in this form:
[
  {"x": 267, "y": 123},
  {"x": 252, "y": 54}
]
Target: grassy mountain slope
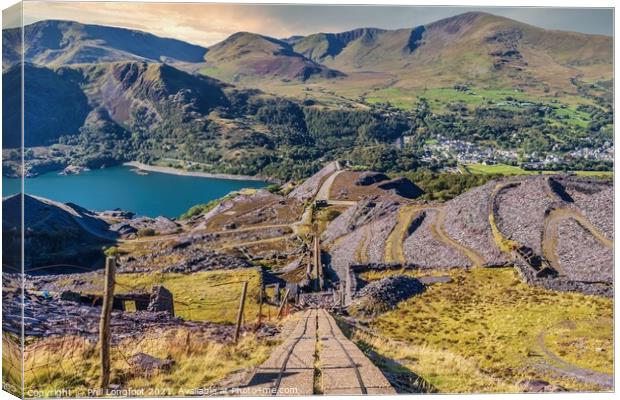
[
  {"x": 53, "y": 42},
  {"x": 60, "y": 101},
  {"x": 482, "y": 51},
  {"x": 468, "y": 46},
  {"x": 474, "y": 77},
  {"x": 246, "y": 56},
  {"x": 152, "y": 112}
]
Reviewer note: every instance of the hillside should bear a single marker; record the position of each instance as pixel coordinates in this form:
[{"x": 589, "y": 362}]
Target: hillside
[
  {"x": 53, "y": 43},
  {"x": 469, "y": 89},
  {"x": 477, "y": 47},
  {"x": 246, "y": 56},
  {"x": 56, "y": 233},
  {"x": 124, "y": 111},
  {"x": 528, "y": 258},
  {"x": 54, "y": 105}
]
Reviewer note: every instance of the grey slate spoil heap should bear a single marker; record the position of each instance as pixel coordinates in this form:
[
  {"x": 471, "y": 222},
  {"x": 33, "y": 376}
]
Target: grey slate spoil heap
[{"x": 383, "y": 295}]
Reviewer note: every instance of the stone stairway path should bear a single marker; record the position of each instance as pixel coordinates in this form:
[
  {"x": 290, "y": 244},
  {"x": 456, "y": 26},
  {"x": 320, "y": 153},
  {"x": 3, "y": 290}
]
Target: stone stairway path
[{"x": 316, "y": 358}]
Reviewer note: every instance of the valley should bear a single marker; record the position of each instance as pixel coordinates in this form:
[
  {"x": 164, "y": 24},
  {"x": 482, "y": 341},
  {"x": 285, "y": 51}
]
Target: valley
[
  {"x": 470, "y": 89},
  {"x": 426, "y": 209}
]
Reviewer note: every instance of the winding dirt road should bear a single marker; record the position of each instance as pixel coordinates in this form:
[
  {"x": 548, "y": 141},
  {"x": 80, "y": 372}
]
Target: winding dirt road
[{"x": 394, "y": 248}]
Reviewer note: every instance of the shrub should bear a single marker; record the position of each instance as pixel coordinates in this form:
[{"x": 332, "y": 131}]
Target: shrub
[
  {"x": 330, "y": 215},
  {"x": 273, "y": 188},
  {"x": 143, "y": 232},
  {"x": 111, "y": 251}
]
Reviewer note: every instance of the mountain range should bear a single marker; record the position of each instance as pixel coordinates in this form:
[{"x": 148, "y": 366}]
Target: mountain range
[
  {"x": 471, "y": 46},
  {"x": 250, "y": 93}
]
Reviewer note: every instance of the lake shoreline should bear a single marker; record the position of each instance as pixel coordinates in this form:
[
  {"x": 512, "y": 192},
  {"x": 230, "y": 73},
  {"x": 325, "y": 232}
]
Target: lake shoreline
[
  {"x": 127, "y": 188},
  {"x": 177, "y": 171}
]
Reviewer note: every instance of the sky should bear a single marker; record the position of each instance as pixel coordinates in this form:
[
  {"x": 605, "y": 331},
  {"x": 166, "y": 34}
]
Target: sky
[{"x": 206, "y": 24}]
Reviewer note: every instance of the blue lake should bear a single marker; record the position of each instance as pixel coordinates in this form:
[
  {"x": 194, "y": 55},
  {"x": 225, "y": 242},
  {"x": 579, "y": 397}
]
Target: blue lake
[{"x": 152, "y": 194}]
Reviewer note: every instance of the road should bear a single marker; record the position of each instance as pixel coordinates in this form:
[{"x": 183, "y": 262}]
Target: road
[
  {"x": 325, "y": 189},
  {"x": 394, "y": 252},
  {"x": 556, "y": 364},
  {"x": 316, "y": 358}
]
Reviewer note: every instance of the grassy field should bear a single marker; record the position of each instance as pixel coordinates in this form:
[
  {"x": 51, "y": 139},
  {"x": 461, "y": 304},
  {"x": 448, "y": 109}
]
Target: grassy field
[
  {"x": 439, "y": 98},
  {"x": 202, "y": 296},
  {"x": 481, "y": 332},
  {"x": 504, "y": 169},
  {"x": 199, "y": 361}
]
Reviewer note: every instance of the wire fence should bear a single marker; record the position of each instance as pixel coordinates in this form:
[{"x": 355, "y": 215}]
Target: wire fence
[{"x": 145, "y": 345}]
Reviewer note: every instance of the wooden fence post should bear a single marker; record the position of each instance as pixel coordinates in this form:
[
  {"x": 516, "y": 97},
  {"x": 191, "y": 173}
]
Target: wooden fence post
[
  {"x": 104, "y": 323},
  {"x": 260, "y": 308},
  {"x": 284, "y": 301},
  {"x": 240, "y": 313}
]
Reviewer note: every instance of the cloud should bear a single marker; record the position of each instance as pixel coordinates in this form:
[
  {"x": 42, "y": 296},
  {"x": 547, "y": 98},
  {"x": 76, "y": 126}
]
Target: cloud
[
  {"x": 197, "y": 23},
  {"x": 12, "y": 17},
  {"x": 206, "y": 24}
]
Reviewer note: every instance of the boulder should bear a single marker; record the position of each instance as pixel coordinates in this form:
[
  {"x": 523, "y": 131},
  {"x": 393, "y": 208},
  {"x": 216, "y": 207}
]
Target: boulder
[
  {"x": 123, "y": 228},
  {"x": 147, "y": 365},
  {"x": 538, "y": 385}
]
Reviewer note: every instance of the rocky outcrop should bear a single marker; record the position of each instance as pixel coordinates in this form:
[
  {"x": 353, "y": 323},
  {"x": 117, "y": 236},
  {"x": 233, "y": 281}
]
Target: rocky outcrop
[
  {"x": 131, "y": 228},
  {"x": 55, "y": 233}
]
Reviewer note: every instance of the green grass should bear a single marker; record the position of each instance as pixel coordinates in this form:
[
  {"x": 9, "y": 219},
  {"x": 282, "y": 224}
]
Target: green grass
[
  {"x": 490, "y": 321},
  {"x": 602, "y": 174},
  {"x": 72, "y": 364},
  {"x": 210, "y": 71},
  {"x": 199, "y": 360},
  {"x": 565, "y": 109},
  {"x": 202, "y": 296},
  {"x": 571, "y": 116},
  {"x": 504, "y": 169},
  {"x": 440, "y": 98}
]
